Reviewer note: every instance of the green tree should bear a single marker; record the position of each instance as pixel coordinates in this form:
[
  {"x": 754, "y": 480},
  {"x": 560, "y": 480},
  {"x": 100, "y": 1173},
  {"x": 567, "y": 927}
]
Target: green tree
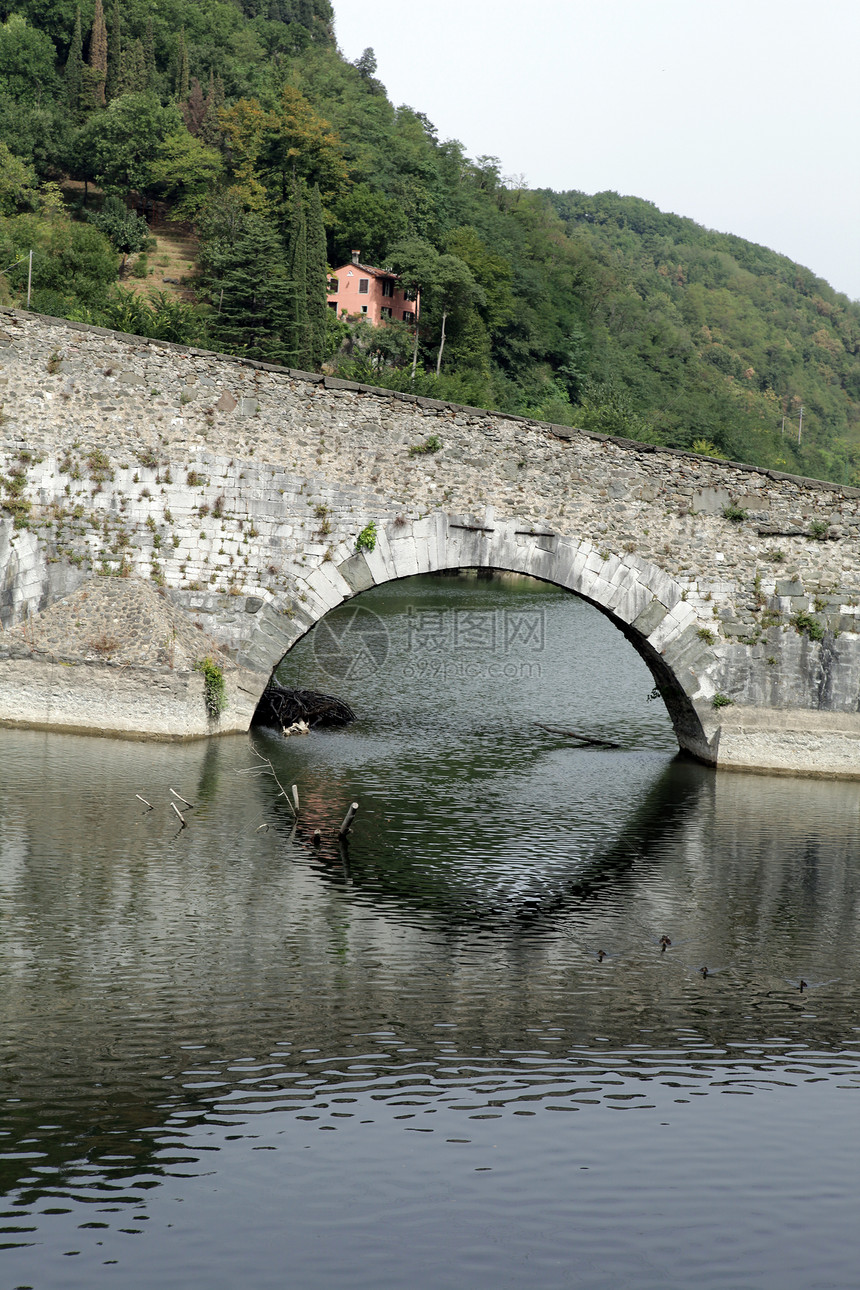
[
  {"x": 74, "y": 70},
  {"x": 114, "y": 77},
  {"x": 366, "y": 219},
  {"x": 26, "y": 62},
  {"x": 95, "y": 73},
  {"x": 74, "y": 265},
  {"x": 182, "y": 78},
  {"x": 453, "y": 289},
  {"x": 187, "y": 170},
  {"x": 415, "y": 261},
  {"x": 126, "y": 231},
  {"x": 316, "y": 281},
  {"x": 253, "y": 297},
  {"x": 18, "y": 190},
  {"x": 121, "y": 142},
  {"x": 297, "y": 268}
]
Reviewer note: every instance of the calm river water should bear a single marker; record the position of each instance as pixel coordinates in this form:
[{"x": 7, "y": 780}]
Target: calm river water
[{"x": 456, "y": 1056}]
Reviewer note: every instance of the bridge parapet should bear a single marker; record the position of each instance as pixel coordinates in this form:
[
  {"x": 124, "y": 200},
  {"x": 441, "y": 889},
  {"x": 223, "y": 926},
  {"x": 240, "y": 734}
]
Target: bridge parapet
[{"x": 240, "y": 490}]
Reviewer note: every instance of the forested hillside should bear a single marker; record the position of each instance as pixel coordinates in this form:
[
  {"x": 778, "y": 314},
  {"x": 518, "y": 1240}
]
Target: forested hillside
[{"x": 242, "y": 123}]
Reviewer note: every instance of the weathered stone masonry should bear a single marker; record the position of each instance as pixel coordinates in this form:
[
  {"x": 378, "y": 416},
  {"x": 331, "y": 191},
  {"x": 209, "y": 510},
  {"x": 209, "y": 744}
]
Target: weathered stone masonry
[{"x": 238, "y": 490}]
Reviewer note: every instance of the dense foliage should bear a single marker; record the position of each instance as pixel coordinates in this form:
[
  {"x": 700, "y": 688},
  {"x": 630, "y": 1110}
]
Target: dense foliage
[{"x": 243, "y": 120}]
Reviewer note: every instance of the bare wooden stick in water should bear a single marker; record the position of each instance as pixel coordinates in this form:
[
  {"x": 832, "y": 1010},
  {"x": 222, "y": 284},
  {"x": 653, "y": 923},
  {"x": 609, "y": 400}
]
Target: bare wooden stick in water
[
  {"x": 271, "y": 771},
  {"x": 348, "y": 819},
  {"x": 179, "y": 813},
  {"x": 190, "y": 805},
  {"x": 296, "y": 798},
  {"x": 143, "y": 799},
  {"x": 574, "y": 734}
]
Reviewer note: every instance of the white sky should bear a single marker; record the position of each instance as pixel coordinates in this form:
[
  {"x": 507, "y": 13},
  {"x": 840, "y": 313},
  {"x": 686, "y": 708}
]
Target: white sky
[{"x": 742, "y": 114}]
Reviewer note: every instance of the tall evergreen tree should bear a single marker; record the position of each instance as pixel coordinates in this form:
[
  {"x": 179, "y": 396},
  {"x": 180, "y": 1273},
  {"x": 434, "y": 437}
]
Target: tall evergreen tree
[
  {"x": 297, "y": 268},
  {"x": 113, "y": 80},
  {"x": 252, "y": 293},
  {"x": 149, "y": 56},
  {"x": 75, "y": 67},
  {"x": 133, "y": 79},
  {"x": 316, "y": 281},
  {"x": 95, "y": 73},
  {"x": 182, "y": 79}
]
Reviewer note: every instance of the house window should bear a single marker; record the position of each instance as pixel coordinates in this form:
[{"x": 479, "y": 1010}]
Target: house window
[
  {"x": 385, "y": 312},
  {"x": 333, "y": 286},
  {"x": 364, "y": 309},
  {"x": 363, "y": 286},
  {"x": 408, "y": 315},
  {"x": 332, "y": 304},
  {"x": 388, "y": 286},
  {"x": 409, "y": 293}
]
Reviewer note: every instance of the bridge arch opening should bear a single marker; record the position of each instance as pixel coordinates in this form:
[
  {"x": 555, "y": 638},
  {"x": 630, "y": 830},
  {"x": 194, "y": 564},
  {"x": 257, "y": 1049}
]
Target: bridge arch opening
[{"x": 641, "y": 601}]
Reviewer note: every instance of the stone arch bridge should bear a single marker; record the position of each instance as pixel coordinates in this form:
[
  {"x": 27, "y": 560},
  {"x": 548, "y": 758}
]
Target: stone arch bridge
[{"x": 161, "y": 504}]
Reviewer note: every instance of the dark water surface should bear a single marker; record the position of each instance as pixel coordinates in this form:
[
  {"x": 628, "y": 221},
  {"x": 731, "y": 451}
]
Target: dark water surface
[{"x": 229, "y": 1059}]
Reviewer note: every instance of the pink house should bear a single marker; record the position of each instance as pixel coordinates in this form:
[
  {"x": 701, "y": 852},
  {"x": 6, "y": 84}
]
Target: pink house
[{"x": 357, "y": 289}]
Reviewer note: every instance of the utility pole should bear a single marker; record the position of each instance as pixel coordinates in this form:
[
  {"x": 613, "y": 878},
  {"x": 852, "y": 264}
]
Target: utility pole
[
  {"x": 800, "y": 424},
  {"x": 29, "y": 279}
]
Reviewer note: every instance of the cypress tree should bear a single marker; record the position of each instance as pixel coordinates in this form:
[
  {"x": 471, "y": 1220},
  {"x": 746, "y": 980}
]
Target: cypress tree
[
  {"x": 75, "y": 67},
  {"x": 134, "y": 76},
  {"x": 182, "y": 80},
  {"x": 255, "y": 299},
  {"x": 210, "y": 131},
  {"x": 114, "y": 55},
  {"x": 316, "y": 283},
  {"x": 96, "y": 72},
  {"x": 149, "y": 56},
  {"x": 297, "y": 268}
]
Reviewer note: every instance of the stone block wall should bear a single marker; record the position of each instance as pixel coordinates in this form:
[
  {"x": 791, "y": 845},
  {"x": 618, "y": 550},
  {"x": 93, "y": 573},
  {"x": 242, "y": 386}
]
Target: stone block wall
[{"x": 241, "y": 489}]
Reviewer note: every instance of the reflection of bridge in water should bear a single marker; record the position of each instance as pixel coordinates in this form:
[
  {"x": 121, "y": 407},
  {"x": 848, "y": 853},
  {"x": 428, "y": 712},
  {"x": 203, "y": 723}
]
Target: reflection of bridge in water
[{"x": 136, "y": 943}]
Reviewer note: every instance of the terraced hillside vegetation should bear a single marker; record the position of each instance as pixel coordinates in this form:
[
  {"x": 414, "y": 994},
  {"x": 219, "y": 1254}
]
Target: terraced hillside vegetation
[{"x": 271, "y": 157}]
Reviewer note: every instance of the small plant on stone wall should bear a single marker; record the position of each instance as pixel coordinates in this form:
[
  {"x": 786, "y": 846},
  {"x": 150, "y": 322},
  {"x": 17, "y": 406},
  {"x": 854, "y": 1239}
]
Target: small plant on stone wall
[
  {"x": 734, "y": 514},
  {"x": 818, "y": 530},
  {"x": 98, "y": 466},
  {"x": 322, "y": 514},
  {"x": 148, "y": 458},
  {"x": 105, "y": 644},
  {"x": 214, "y": 688},
  {"x": 805, "y": 625},
  {"x": 431, "y": 445},
  {"x": 54, "y": 362},
  {"x": 721, "y": 700},
  {"x": 218, "y": 507},
  {"x": 366, "y": 540},
  {"x": 706, "y": 635}
]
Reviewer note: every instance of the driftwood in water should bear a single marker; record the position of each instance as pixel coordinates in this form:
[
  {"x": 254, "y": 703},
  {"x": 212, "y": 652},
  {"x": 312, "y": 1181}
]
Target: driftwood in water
[
  {"x": 280, "y": 708},
  {"x": 574, "y": 734}
]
